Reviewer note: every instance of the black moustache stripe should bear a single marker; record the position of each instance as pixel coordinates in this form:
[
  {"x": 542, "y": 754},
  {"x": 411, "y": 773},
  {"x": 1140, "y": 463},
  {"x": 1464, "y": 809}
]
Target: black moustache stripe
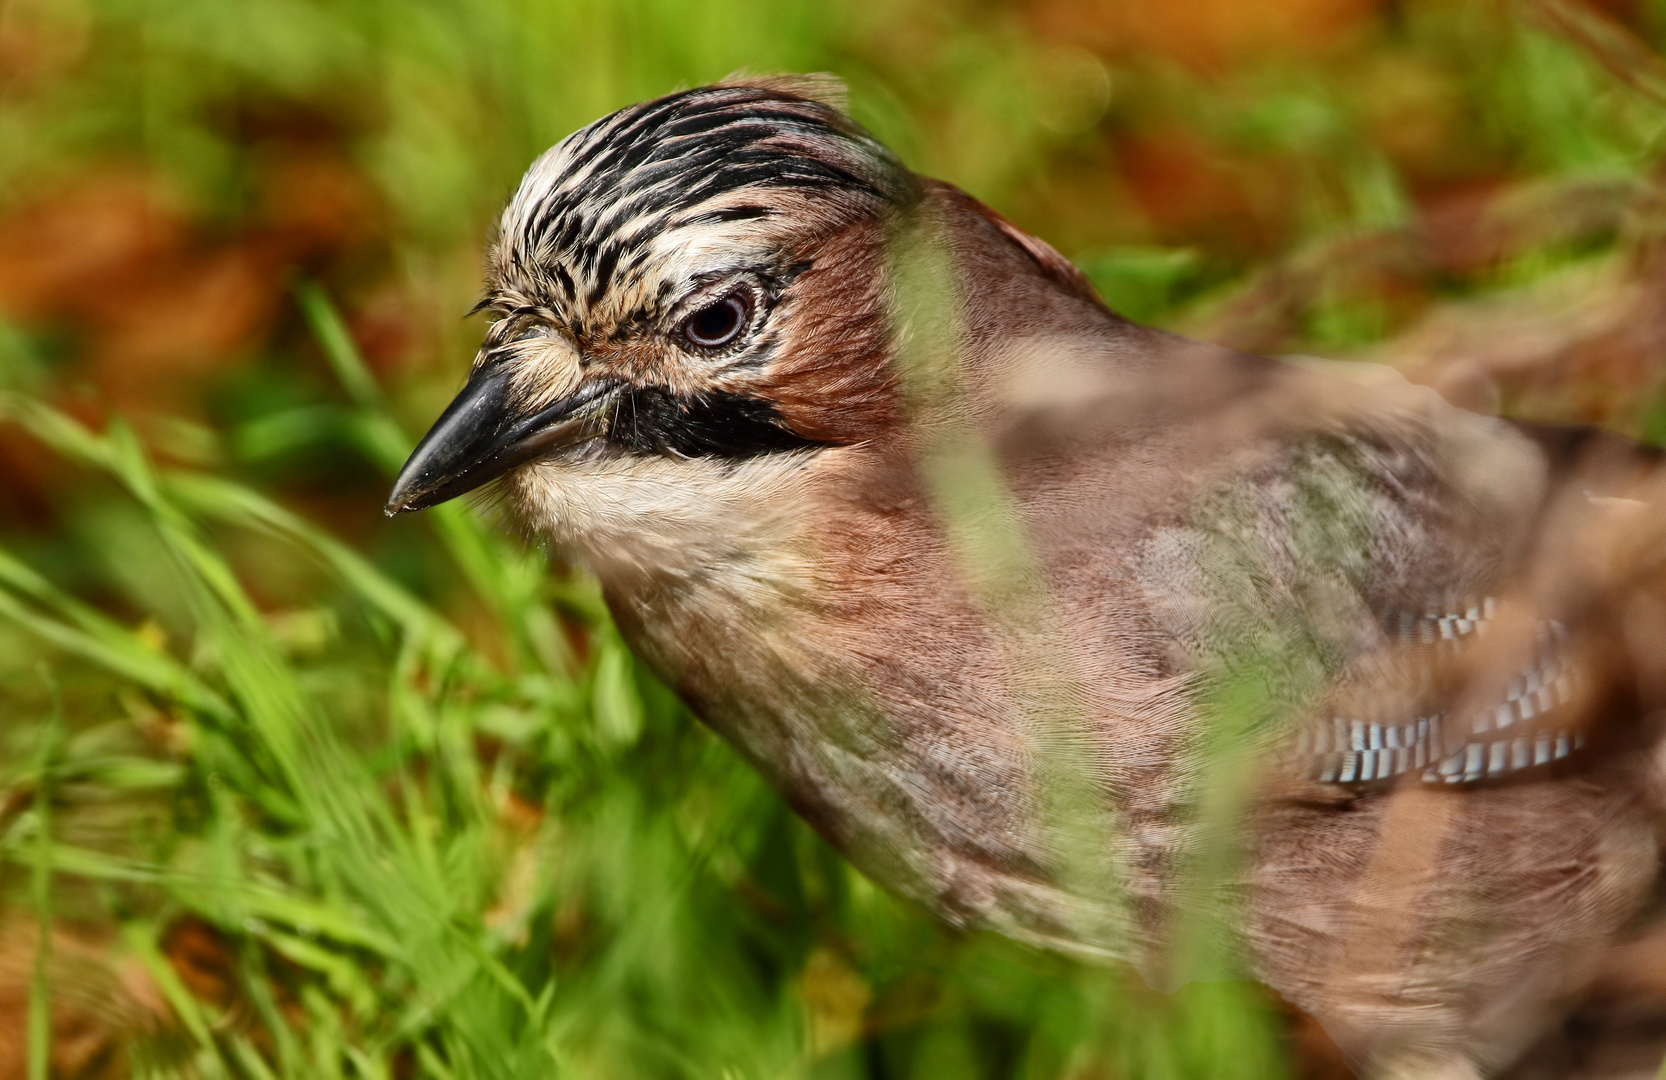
[{"x": 652, "y": 420}]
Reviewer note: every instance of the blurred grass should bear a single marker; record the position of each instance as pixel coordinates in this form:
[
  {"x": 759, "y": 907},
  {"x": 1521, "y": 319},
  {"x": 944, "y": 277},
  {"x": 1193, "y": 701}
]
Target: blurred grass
[{"x": 289, "y": 790}]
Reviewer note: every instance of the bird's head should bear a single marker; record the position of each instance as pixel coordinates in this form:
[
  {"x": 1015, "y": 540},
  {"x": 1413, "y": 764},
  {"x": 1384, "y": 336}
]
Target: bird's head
[
  {"x": 688, "y": 278},
  {"x": 693, "y": 311}
]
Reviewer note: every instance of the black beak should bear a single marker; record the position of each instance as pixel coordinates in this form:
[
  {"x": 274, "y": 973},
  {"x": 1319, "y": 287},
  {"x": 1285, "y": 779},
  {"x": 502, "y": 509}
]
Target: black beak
[{"x": 482, "y": 435}]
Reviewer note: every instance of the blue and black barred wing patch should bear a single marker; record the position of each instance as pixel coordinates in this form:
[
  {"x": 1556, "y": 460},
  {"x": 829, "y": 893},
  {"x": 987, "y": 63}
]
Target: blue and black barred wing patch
[{"x": 1399, "y": 719}]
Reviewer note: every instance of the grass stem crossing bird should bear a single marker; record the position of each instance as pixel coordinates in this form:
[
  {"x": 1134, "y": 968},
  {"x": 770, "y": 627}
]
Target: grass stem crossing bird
[{"x": 1028, "y": 608}]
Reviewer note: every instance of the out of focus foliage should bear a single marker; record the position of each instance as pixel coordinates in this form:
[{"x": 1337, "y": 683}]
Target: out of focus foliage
[{"x": 289, "y": 790}]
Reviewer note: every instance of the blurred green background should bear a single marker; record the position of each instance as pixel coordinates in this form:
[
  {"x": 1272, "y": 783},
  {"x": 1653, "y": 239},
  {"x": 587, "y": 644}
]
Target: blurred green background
[{"x": 291, "y": 790}]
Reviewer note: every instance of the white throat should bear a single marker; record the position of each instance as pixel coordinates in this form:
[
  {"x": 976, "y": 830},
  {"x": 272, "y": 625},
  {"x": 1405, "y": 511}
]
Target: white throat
[{"x": 666, "y": 523}]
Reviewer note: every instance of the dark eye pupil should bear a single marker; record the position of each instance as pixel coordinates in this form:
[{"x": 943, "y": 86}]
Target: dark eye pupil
[{"x": 718, "y": 324}]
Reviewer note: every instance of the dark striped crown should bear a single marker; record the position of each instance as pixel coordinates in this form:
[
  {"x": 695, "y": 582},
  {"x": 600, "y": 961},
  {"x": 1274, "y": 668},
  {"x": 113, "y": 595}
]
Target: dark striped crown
[{"x": 665, "y": 191}]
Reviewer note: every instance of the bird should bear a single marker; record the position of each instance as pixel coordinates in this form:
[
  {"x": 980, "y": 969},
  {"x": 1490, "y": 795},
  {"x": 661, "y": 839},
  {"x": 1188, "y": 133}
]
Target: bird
[{"x": 1069, "y": 627}]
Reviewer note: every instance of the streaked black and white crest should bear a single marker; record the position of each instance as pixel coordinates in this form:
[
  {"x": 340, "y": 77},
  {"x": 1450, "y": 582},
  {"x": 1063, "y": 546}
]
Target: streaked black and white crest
[{"x": 669, "y": 192}]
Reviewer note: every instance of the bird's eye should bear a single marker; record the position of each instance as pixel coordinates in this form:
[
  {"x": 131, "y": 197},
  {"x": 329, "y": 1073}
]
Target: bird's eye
[{"x": 720, "y": 323}]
